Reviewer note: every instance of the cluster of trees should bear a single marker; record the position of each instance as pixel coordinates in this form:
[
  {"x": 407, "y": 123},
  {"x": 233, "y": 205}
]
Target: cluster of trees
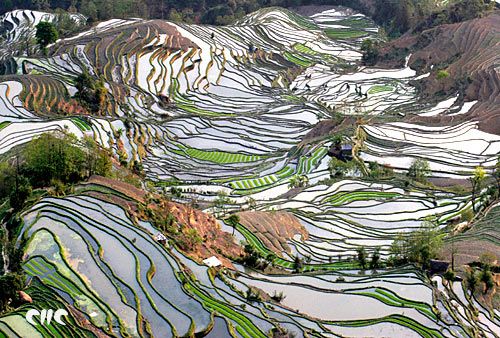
[
  {"x": 374, "y": 261},
  {"x": 91, "y": 92},
  {"x": 396, "y": 16},
  {"x": 339, "y": 168},
  {"x": 46, "y": 33},
  {"x": 456, "y": 12},
  {"x": 371, "y": 52},
  {"x": 418, "y": 247},
  {"x": 51, "y": 160},
  {"x": 204, "y": 11},
  {"x": 186, "y": 238},
  {"x": 298, "y": 181},
  {"x": 10, "y": 283},
  {"x": 419, "y": 170},
  {"x": 255, "y": 259}
]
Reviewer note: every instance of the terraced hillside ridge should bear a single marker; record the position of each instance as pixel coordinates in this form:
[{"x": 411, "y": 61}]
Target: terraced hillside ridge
[
  {"x": 244, "y": 120},
  {"x": 18, "y": 33},
  {"x": 274, "y": 229},
  {"x": 468, "y": 51}
]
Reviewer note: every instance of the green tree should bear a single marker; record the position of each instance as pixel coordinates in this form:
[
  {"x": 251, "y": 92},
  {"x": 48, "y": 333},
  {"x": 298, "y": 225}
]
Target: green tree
[
  {"x": 189, "y": 240},
  {"x": 487, "y": 278},
  {"x": 488, "y": 259},
  {"x": 449, "y": 275},
  {"x": 21, "y": 192},
  {"x": 98, "y": 159},
  {"x": 298, "y": 181},
  {"x": 425, "y": 243},
  {"x": 222, "y": 202},
  {"x": 374, "y": 263},
  {"x": 340, "y": 168},
  {"x": 370, "y": 49},
  {"x": 54, "y": 157},
  {"x": 379, "y": 171},
  {"x": 9, "y": 285},
  {"x": 419, "y": 170},
  {"x": 91, "y": 92},
  {"x": 233, "y": 221},
  {"x": 89, "y": 9},
  {"x": 496, "y": 176},
  {"x": 174, "y": 15},
  {"x": 472, "y": 280},
  {"x": 419, "y": 246},
  {"x": 61, "y": 156},
  {"x": 64, "y": 23},
  {"x": 399, "y": 250},
  {"x": 476, "y": 181},
  {"x": 46, "y": 33},
  {"x": 362, "y": 257},
  {"x": 298, "y": 264}
]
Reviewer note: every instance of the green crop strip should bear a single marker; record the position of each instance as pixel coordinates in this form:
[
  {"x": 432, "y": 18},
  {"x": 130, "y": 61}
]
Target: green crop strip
[
  {"x": 304, "y": 49},
  {"x": 424, "y": 331},
  {"x": 348, "y": 197},
  {"x": 257, "y": 244},
  {"x": 337, "y": 33},
  {"x": 4, "y": 124},
  {"x": 245, "y": 327},
  {"x": 297, "y": 59},
  {"x": 390, "y": 298},
  {"x": 188, "y": 105},
  {"x": 81, "y": 124},
  {"x": 380, "y": 89},
  {"x": 220, "y": 157}
]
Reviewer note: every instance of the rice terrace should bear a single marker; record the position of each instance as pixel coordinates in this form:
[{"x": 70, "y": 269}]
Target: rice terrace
[{"x": 250, "y": 168}]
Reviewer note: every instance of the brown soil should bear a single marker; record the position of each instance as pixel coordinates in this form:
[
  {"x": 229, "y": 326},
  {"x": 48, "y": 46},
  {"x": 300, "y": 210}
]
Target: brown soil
[
  {"x": 125, "y": 188},
  {"x": 468, "y": 51},
  {"x": 327, "y": 127},
  {"x": 274, "y": 229},
  {"x": 445, "y": 182},
  {"x": 215, "y": 242},
  {"x": 468, "y": 251}
]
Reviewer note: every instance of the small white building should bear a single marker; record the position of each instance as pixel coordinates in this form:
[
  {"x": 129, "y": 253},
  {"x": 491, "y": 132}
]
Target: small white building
[
  {"x": 212, "y": 262},
  {"x": 161, "y": 238}
]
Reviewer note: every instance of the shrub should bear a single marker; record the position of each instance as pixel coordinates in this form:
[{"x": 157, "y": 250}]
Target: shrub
[
  {"x": 442, "y": 74},
  {"x": 374, "y": 263},
  {"x": 62, "y": 157},
  {"x": 340, "y": 168},
  {"x": 278, "y": 296},
  {"x": 472, "y": 280},
  {"x": 488, "y": 259},
  {"x": 420, "y": 246},
  {"x": 449, "y": 275},
  {"x": 380, "y": 171},
  {"x": 467, "y": 215},
  {"x": 487, "y": 278}
]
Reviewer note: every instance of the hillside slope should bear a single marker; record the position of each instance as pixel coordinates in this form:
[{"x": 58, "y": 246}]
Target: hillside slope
[{"x": 469, "y": 52}]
